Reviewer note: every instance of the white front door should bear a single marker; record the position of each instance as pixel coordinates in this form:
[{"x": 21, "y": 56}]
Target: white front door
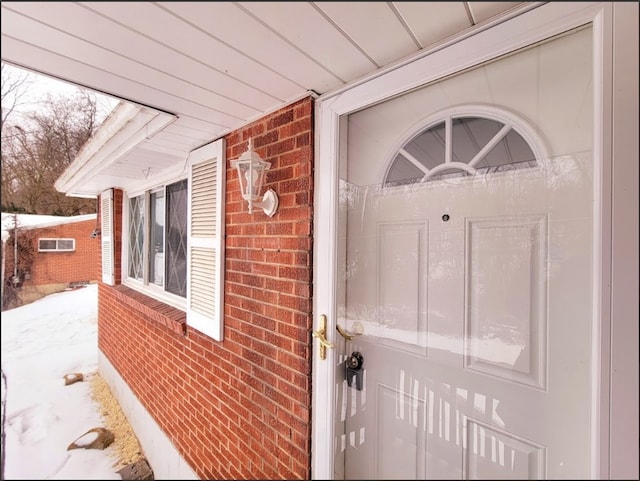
[{"x": 464, "y": 248}]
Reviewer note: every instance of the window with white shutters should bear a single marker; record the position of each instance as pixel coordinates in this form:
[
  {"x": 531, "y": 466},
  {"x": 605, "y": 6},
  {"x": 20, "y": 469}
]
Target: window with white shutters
[{"x": 173, "y": 239}]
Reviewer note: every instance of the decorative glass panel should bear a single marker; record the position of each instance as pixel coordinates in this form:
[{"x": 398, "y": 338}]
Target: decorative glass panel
[
  {"x": 428, "y": 147},
  {"x": 459, "y": 146},
  {"x": 469, "y": 135},
  {"x": 136, "y": 237},
  {"x": 176, "y": 253},
  {"x": 512, "y": 152}
]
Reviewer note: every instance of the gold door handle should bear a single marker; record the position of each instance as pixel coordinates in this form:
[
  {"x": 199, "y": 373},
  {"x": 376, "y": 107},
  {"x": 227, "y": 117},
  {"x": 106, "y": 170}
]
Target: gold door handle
[
  {"x": 344, "y": 333},
  {"x": 320, "y": 334},
  {"x": 323, "y": 340},
  {"x": 357, "y": 327}
]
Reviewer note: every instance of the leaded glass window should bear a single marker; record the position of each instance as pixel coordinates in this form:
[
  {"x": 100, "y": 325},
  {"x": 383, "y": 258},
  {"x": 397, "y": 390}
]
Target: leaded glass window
[
  {"x": 176, "y": 253},
  {"x": 136, "y": 237},
  {"x": 157, "y": 248}
]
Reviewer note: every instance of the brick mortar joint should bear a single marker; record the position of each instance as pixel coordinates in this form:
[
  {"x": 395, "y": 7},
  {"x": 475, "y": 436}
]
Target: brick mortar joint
[{"x": 148, "y": 306}]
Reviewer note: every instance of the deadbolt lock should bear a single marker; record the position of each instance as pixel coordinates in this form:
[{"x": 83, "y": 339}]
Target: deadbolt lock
[{"x": 354, "y": 369}]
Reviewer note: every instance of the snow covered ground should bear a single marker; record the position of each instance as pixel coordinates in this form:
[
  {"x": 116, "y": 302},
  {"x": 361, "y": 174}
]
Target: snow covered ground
[{"x": 41, "y": 343}]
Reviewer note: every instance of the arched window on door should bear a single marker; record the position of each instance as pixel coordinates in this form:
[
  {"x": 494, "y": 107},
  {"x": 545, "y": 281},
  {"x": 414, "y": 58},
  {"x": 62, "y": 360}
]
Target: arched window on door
[{"x": 458, "y": 145}]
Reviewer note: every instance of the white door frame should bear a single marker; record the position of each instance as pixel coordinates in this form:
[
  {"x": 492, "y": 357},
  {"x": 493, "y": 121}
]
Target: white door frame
[{"x": 534, "y": 23}]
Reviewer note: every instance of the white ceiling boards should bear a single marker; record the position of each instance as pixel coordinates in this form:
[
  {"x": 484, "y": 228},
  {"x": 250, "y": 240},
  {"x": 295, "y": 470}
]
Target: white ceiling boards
[{"x": 216, "y": 66}]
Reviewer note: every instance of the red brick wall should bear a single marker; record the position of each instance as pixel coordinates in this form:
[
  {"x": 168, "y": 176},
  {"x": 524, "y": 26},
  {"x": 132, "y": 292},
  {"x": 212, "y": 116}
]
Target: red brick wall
[
  {"x": 59, "y": 267},
  {"x": 240, "y": 408}
]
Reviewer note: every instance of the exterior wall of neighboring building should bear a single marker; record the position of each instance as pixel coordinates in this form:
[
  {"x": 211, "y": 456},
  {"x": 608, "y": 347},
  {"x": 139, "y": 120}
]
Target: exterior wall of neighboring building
[
  {"x": 42, "y": 273},
  {"x": 240, "y": 408}
]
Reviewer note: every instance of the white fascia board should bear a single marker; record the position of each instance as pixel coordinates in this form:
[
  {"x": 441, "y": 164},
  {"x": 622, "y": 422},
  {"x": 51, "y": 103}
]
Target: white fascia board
[
  {"x": 61, "y": 221},
  {"x": 123, "y": 130}
]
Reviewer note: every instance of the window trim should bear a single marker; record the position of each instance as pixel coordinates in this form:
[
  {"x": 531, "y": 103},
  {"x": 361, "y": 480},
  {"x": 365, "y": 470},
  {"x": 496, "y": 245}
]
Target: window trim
[
  {"x": 57, "y": 240},
  {"x": 148, "y": 288}
]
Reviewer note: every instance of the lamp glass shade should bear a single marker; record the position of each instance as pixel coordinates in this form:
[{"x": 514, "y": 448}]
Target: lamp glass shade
[{"x": 251, "y": 175}]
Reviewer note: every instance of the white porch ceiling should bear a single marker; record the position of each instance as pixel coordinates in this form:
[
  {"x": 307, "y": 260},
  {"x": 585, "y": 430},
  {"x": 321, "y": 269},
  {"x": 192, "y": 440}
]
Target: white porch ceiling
[{"x": 217, "y": 66}]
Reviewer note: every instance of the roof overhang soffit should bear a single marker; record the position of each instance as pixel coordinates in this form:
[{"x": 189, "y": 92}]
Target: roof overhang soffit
[{"x": 127, "y": 127}]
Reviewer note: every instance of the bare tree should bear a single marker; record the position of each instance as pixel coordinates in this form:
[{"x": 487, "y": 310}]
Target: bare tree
[
  {"x": 35, "y": 155},
  {"x": 14, "y": 88}
]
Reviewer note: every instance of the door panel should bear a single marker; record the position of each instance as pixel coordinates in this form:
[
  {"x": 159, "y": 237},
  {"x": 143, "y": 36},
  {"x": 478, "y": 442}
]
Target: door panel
[
  {"x": 508, "y": 343},
  {"x": 471, "y": 292}
]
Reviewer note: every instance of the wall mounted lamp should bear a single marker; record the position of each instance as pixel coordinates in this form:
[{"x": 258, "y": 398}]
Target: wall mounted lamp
[{"x": 251, "y": 174}]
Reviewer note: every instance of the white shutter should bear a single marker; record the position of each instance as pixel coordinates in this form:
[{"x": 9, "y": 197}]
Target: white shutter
[
  {"x": 205, "y": 258},
  {"x": 106, "y": 236}
]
